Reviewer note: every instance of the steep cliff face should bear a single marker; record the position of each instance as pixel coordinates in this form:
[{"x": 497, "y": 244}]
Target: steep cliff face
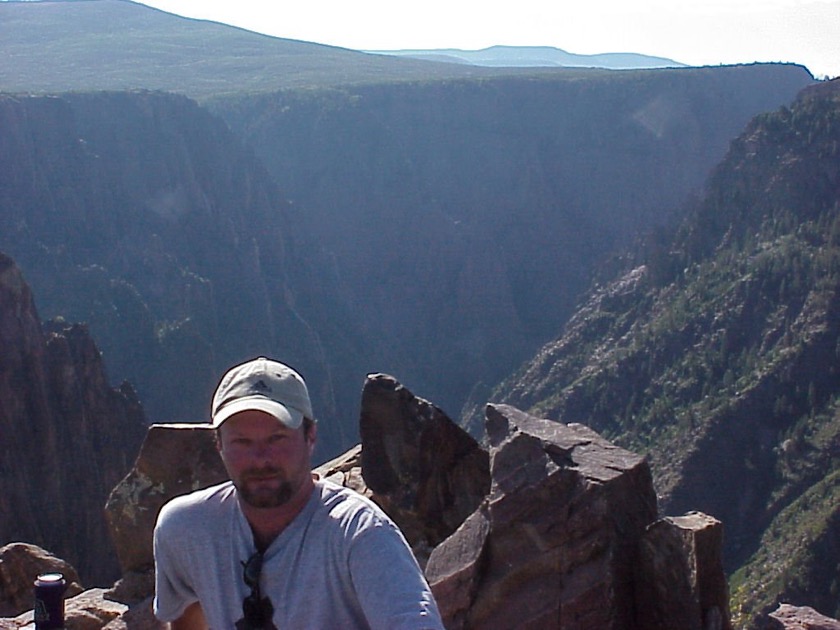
[
  {"x": 719, "y": 358},
  {"x": 440, "y": 230},
  {"x": 141, "y": 214},
  {"x": 66, "y": 436},
  {"x": 445, "y": 216},
  {"x": 463, "y": 218}
]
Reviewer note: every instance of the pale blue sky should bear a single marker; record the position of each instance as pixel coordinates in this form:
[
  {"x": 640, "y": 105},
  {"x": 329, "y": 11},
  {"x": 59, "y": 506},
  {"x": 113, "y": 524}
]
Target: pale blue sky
[{"x": 696, "y": 32}]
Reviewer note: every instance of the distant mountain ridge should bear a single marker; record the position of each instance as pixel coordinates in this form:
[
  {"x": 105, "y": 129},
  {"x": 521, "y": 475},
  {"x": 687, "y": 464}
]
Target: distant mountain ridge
[
  {"x": 58, "y": 45},
  {"x": 535, "y": 57},
  {"x": 322, "y": 55}
]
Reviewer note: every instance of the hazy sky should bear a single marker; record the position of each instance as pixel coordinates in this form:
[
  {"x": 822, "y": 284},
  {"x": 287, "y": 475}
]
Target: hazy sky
[{"x": 696, "y": 32}]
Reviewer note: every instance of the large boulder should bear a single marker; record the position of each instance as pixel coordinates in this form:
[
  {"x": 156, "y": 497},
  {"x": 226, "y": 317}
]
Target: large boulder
[
  {"x": 422, "y": 468},
  {"x": 681, "y": 582},
  {"x": 788, "y": 617},
  {"x": 20, "y": 565},
  {"x": 173, "y": 460},
  {"x": 556, "y": 542}
]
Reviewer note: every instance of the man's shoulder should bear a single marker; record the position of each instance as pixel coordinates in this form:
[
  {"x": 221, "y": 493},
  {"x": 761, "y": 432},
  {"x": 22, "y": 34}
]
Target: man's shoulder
[
  {"x": 333, "y": 493},
  {"x": 347, "y": 505},
  {"x": 199, "y": 503}
]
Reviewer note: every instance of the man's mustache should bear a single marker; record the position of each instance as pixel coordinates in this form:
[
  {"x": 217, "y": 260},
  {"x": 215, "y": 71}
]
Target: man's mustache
[{"x": 260, "y": 473}]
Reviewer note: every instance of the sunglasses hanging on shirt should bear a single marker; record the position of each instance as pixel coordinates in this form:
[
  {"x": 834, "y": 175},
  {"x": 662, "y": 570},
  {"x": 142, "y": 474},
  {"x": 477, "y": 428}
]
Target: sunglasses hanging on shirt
[{"x": 257, "y": 610}]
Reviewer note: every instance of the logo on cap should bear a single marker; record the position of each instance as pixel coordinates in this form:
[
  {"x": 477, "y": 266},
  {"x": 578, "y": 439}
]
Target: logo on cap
[{"x": 260, "y": 387}]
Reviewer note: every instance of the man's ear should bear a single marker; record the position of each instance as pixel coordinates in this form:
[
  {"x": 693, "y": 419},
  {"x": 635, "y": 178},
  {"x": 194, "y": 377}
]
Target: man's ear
[{"x": 312, "y": 436}]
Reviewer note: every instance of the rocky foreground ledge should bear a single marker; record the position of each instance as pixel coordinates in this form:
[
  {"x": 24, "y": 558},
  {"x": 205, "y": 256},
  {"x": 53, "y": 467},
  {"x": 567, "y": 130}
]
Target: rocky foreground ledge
[{"x": 549, "y": 526}]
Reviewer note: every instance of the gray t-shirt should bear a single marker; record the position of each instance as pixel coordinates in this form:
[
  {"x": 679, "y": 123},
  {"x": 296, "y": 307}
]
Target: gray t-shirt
[{"x": 342, "y": 563}]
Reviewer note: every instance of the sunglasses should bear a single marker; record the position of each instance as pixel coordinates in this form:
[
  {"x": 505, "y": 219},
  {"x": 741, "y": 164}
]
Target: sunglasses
[{"x": 256, "y": 609}]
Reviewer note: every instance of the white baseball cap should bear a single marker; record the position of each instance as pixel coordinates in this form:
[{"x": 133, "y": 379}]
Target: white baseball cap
[{"x": 262, "y": 385}]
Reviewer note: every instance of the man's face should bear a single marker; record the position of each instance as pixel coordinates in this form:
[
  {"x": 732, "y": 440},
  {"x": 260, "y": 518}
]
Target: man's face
[{"x": 268, "y": 463}]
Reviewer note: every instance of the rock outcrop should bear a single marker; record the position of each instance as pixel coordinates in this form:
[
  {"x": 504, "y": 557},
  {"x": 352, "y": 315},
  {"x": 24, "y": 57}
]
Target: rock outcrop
[
  {"x": 20, "y": 565},
  {"x": 715, "y": 353},
  {"x": 681, "y": 581},
  {"x": 173, "y": 460},
  {"x": 551, "y": 526},
  {"x": 563, "y": 530},
  {"x": 787, "y": 617},
  {"x": 556, "y": 542},
  {"x": 67, "y": 436},
  {"x": 422, "y": 468}
]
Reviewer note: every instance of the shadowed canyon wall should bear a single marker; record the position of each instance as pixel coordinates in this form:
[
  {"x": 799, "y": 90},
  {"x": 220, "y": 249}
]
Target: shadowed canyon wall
[
  {"x": 460, "y": 220},
  {"x": 439, "y": 230},
  {"x": 66, "y": 436},
  {"x": 141, "y": 215}
]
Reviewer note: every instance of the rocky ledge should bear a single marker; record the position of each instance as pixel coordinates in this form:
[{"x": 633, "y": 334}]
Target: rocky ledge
[{"x": 548, "y": 526}]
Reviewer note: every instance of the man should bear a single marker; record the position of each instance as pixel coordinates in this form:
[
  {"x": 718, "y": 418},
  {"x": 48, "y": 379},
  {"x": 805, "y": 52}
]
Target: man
[{"x": 275, "y": 547}]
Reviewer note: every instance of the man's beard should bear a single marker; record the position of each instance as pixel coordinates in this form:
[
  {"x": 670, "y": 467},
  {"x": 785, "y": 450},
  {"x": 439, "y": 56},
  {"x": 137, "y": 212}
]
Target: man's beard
[{"x": 259, "y": 496}]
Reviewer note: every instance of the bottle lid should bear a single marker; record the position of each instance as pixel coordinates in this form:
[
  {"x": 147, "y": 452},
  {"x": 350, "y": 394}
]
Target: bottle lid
[{"x": 50, "y": 578}]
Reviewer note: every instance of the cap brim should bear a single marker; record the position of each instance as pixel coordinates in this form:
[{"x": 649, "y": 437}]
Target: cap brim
[{"x": 292, "y": 418}]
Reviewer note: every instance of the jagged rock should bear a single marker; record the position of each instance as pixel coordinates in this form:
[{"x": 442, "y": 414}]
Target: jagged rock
[
  {"x": 423, "y": 469},
  {"x": 133, "y": 587},
  {"x": 556, "y": 541},
  {"x": 174, "y": 459},
  {"x": 68, "y": 436},
  {"x": 440, "y": 472},
  {"x": 456, "y": 570},
  {"x": 137, "y": 618},
  {"x": 346, "y": 470},
  {"x": 20, "y": 564},
  {"x": 681, "y": 581},
  {"x": 787, "y": 617}
]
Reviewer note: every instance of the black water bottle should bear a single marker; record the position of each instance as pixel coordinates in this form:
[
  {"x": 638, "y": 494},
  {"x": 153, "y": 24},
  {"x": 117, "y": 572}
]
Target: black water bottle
[{"x": 49, "y": 601}]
